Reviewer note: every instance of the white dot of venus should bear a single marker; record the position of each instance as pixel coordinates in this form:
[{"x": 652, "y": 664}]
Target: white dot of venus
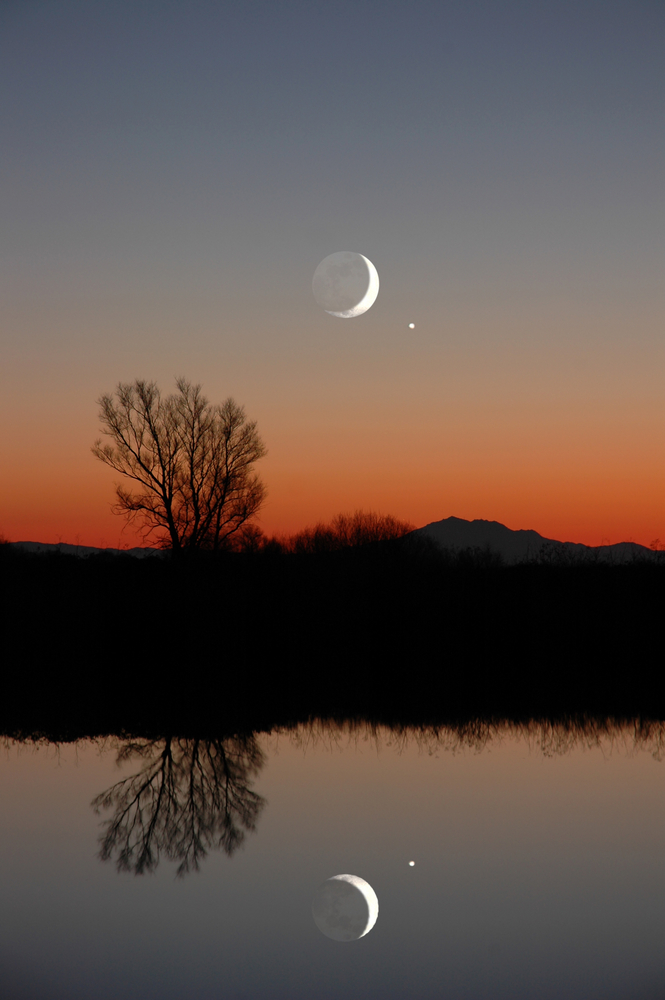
[{"x": 412, "y": 326}]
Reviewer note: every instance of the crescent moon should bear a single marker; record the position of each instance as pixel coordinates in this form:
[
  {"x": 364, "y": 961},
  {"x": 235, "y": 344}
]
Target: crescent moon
[
  {"x": 368, "y": 299},
  {"x": 345, "y": 907},
  {"x": 345, "y": 284}
]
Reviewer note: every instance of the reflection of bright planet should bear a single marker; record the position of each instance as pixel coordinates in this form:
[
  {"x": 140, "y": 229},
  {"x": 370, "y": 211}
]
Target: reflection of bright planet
[
  {"x": 345, "y": 907},
  {"x": 345, "y": 284}
]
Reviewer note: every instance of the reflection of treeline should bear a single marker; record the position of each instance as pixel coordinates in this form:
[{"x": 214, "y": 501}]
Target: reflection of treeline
[
  {"x": 324, "y": 625},
  {"x": 551, "y": 737},
  {"x": 187, "y": 796}
]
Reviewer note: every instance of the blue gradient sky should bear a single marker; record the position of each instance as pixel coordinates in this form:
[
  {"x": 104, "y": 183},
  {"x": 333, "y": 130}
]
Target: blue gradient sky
[{"x": 171, "y": 174}]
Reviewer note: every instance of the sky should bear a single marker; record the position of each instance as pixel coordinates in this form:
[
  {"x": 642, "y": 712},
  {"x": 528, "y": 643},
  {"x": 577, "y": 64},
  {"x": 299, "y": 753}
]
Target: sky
[{"x": 172, "y": 173}]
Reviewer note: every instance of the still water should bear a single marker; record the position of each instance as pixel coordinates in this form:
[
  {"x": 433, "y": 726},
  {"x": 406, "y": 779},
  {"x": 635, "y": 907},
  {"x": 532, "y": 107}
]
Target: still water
[{"x": 539, "y": 866}]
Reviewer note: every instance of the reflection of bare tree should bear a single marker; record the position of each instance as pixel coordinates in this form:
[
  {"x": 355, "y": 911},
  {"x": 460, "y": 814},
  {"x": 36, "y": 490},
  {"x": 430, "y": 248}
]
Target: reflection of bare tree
[{"x": 189, "y": 797}]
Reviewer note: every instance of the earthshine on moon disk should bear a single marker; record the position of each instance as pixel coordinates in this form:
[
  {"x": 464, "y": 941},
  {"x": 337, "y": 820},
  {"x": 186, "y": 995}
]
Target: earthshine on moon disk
[
  {"x": 345, "y": 907},
  {"x": 345, "y": 284}
]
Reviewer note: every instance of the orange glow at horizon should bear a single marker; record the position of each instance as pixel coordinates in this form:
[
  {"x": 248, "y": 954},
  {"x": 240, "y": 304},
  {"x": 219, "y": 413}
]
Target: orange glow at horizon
[
  {"x": 593, "y": 508},
  {"x": 549, "y": 439}
]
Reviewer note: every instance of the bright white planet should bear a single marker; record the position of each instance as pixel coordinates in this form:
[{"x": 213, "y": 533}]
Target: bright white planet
[
  {"x": 411, "y": 863},
  {"x": 346, "y": 284},
  {"x": 412, "y": 326},
  {"x": 345, "y": 907}
]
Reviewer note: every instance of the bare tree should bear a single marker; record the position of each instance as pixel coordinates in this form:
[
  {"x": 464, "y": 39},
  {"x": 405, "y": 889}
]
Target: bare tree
[{"x": 193, "y": 463}]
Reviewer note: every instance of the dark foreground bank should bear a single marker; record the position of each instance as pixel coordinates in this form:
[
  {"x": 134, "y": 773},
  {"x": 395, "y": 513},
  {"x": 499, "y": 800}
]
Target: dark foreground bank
[{"x": 111, "y": 644}]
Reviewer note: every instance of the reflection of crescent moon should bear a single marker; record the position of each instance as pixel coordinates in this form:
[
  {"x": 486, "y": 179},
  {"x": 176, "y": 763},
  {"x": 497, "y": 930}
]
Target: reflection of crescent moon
[
  {"x": 346, "y": 284},
  {"x": 345, "y": 907}
]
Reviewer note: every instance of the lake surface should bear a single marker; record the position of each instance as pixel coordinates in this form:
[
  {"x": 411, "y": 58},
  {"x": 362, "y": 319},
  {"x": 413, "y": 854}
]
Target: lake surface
[{"x": 539, "y": 873}]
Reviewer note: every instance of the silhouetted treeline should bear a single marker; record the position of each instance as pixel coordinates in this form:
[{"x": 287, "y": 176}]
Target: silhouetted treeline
[{"x": 387, "y": 629}]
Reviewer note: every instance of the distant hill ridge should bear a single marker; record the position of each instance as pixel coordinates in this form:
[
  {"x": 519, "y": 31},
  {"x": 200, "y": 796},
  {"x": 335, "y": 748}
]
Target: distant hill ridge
[
  {"x": 453, "y": 533},
  {"x": 83, "y": 550},
  {"x": 519, "y": 546}
]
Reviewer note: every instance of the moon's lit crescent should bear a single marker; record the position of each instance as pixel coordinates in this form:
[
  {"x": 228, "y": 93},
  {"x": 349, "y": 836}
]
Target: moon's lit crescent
[
  {"x": 368, "y": 299},
  {"x": 345, "y": 284},
  {"x": 345, "y": 907}
]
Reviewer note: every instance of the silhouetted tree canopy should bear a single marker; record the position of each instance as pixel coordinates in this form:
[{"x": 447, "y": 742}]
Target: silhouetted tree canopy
[
  {"x": 193, "y": 463},
  {"x": 349, "y": 531}
]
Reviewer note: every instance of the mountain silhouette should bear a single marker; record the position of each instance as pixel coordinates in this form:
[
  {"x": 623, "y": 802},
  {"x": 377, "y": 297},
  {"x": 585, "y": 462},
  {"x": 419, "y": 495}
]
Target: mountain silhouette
[{"x": 456, "y": 534}]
